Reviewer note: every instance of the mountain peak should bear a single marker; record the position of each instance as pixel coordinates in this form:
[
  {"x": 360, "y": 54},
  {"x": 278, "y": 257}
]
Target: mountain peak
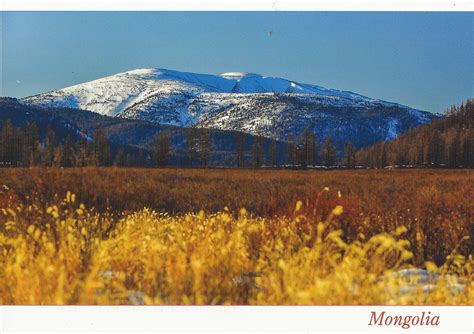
[
  {"x": 234, "y": 101},
  {"x": 228, "y": 82}
]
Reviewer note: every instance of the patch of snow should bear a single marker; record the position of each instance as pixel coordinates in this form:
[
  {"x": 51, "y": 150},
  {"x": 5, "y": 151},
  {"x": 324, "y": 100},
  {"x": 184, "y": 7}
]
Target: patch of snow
[
  {"x": 114, "y": 94},
  {"x": 230, "y": 101},
  {"x": 392, "y": 129}
]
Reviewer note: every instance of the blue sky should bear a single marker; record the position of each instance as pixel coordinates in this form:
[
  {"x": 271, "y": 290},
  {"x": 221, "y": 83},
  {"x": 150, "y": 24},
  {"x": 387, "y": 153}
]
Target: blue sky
[{"x": 424, "y": 60}]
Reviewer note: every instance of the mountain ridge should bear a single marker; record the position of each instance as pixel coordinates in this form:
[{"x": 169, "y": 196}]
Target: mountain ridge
[{"x": 259, "y": 105}]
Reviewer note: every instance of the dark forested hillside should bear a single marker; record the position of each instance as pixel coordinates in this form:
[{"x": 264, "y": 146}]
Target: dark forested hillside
[
  {"x": 32, "y": 137},
  {"x": 66, "y": 137},
  {"x": 444, "y": 142},
  {"x": 70, "y": 137}
]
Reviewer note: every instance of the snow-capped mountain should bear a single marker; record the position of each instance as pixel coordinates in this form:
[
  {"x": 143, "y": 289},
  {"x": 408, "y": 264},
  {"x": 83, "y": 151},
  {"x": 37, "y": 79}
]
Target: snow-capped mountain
[{"x": 272, "y": 107}]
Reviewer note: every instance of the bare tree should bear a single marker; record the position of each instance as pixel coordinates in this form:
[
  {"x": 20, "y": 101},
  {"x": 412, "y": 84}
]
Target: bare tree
[
  {"x": 329, "y": 152},
  {"x": 240, "y": 148},
  {"x": 162, "y": 149}
]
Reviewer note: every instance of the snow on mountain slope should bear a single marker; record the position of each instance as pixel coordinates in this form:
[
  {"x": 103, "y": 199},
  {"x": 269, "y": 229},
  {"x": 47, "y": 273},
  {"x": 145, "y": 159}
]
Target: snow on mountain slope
[{"x": 238, "y": 101}]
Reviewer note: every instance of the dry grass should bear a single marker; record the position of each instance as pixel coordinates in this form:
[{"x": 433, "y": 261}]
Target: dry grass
[
  {"x": 343, "y": 243},
  {"x": 435, "y": 206}
]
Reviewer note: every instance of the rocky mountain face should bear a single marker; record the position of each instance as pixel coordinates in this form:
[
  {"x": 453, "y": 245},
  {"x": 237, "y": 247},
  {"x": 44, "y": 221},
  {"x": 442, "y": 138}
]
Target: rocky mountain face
[{"x": 258, "y": 105}]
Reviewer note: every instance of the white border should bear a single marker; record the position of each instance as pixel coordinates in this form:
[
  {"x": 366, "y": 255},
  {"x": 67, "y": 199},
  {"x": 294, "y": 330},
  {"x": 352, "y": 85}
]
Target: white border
[
  {"x": 238, "y": 5},
  {"x": 341, "y": 319},
  {"x": 222, "y": 319}
]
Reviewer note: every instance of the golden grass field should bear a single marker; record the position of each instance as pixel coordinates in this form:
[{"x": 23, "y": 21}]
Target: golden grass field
[{"x": 184, "y": 236}]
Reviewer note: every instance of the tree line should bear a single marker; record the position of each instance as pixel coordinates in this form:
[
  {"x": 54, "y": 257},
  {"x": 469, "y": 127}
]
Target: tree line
[
  {"x": 26, "y": 148},
  {"x": 445, "y": 142},
  {"x": 302, "y": 152}
]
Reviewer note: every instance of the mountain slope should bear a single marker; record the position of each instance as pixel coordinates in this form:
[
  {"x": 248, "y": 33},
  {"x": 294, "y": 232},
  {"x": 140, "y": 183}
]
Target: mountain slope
[
  {"x": 21, "y": 116},
  {"x": 249, "y": 102},
  {"x": 445, "y": 142},
  {"x": 132, "y": 135}
]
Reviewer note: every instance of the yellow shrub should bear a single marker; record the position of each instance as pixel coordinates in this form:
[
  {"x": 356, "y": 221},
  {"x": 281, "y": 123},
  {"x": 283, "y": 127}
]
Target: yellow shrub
[{"x": 65, "y": 254}]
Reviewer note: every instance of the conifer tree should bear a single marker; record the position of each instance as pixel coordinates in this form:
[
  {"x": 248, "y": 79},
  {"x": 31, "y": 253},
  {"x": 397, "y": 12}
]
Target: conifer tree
[
  {"x": 205, "y": 146},
  {"x": 307, "y": 149},
  {"x": 240, "y": 149},
  {"x": 102, "y": 155},
  {"x": 120, "y": 157},
  {"x": 191, "y": 138},
  {"x": 329, "y": 152},
  {"x": 68, "y": 154},
  {"x": 49, "y": 151},
  {"x": 258, "y": 154},
  {"x": 32, "y": 145},
  {"x": 291, "y": 150},
  {"x": 349, "y": 155},
  {"x": 273, "y": 153},
  {"x": 162, "y": 149}
]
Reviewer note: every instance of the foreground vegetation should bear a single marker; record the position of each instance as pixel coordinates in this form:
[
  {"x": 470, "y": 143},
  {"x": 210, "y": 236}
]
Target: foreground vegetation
[
  {"x": 434, "y": 205},
  {"x": 344, "y": 237}
]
